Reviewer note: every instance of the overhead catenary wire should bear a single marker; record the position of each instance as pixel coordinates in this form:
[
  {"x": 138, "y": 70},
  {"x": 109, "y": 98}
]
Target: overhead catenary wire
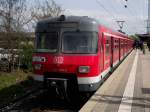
[
  {"x": 114, "y": 8},
  {"x": 132, "y": 13},
  {"x": 130, "y": 9},
  {"x": 109, "y": 13},
  {"x": 121, "y": 21},
  {"x": 137, "y": 14},
  {"x": 126, "y": 25},
  {"x": 142, "y": 8},
  {"x": 106, "y": 10},
  {"x": 112, "y": 15}
]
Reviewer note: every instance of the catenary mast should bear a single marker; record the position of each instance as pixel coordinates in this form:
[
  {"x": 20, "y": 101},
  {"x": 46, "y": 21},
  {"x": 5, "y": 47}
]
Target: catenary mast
[{"x": 148, "y": 21}]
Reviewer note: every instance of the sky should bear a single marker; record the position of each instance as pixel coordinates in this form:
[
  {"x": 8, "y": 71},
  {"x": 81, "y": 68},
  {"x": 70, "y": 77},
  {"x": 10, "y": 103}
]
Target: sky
[{"x": 110, "y": 11}]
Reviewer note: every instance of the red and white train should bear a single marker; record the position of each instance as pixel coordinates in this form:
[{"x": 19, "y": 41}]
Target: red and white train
[{"x": 77, "y": 52}]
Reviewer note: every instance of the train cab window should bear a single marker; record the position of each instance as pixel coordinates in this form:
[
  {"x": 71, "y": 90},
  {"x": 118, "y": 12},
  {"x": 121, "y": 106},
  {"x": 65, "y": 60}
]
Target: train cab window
[
  {"x": 47, "y": 41},
  {"x": 79, "y": 42}
]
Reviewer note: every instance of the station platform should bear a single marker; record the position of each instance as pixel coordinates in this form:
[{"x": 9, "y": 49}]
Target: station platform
[{"x": 127, "y": 89}]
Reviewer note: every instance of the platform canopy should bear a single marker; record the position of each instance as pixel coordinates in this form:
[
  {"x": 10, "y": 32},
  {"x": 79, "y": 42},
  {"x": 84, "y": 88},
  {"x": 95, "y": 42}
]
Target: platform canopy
[{"x": 143, "y": 37}]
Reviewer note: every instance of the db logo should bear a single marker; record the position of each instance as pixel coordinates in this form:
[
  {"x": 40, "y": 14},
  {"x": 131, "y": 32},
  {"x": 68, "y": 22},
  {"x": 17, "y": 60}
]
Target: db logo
[{"x": 58, "y": 60}]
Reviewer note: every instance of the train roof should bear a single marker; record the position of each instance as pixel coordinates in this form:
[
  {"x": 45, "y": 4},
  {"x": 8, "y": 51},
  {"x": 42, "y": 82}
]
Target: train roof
[
  {"x": 84, "y": 21},
  {"x": 78, "y": 19}
]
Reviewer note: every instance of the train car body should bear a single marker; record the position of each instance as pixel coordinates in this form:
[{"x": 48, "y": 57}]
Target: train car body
[{"x": 76, "y": 52}]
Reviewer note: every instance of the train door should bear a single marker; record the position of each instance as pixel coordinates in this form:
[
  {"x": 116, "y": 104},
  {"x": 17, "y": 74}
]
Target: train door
[
  {"x": 114, "y": 50},
  {"x": 107, "y": 51},
  {"x": 117, "y": 50},
  {"x": 122, "y": 49},
  {"x": 111, "y": 52},
  {"x": 125, "y": 47},
  {"x": 102, "y": 53}
]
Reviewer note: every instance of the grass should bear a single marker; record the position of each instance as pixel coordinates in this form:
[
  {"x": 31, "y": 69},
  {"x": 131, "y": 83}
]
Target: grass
[
  {"x": 13, "y": 85},
  {"x": 8, "y": 79}
]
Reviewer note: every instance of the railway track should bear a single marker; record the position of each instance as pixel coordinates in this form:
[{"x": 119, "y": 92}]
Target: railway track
[
  {"x": 40, "y": 100},
  {"x": 18, "y": 101}
]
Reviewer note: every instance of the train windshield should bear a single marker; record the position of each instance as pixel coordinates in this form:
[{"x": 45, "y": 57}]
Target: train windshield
[
  {"x": 79, "y": 42},
  {"x": 47, "y": 42}
]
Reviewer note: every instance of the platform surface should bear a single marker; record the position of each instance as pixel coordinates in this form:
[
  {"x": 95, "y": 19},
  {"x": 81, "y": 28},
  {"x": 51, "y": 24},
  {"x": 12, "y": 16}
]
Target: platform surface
[{"x": 127, "y": 89}]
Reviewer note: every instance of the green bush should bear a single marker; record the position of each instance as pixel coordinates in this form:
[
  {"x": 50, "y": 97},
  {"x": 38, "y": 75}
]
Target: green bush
[{"x": 26, "y": 56}]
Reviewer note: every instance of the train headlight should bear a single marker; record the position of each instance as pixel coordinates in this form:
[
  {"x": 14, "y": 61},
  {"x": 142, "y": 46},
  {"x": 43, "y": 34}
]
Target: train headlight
[
  {"x": 37, "y": 66},
  {"x": 38, "y": 59},
  {"x": 84, "y": 69}
]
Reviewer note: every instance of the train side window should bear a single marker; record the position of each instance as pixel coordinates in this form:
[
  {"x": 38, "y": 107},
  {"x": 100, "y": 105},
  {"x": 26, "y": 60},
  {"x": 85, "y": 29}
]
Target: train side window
[
  {"x": 101, "y": 46},
  {"x": 117, "y": 44},
  {"x": 115, "y": 47},
  {"x": 107, "y": 46},
  {"x": 107, "y": 41}
]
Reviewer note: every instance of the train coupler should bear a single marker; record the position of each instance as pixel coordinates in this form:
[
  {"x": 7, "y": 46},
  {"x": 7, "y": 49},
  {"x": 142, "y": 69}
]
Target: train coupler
[{"x": 59, "y": 84}]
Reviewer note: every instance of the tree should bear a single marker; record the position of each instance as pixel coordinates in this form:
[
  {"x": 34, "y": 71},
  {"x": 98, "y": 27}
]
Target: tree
[
  {"x": 13, "y": 15},
  {"x": 45, "y": 9},
  {"x": 13, "y": 18},
  {"x": 134, "y": 37},
  {"x": 16, "y": 17}
]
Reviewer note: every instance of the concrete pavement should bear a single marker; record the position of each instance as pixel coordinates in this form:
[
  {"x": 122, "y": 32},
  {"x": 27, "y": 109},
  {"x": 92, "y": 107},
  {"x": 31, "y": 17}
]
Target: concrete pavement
[{"x": 127, "y": 89}]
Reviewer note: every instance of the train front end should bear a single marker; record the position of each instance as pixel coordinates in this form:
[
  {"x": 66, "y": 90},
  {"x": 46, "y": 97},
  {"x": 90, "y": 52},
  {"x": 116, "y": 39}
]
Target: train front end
[{"x": 66, "y": 54}]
